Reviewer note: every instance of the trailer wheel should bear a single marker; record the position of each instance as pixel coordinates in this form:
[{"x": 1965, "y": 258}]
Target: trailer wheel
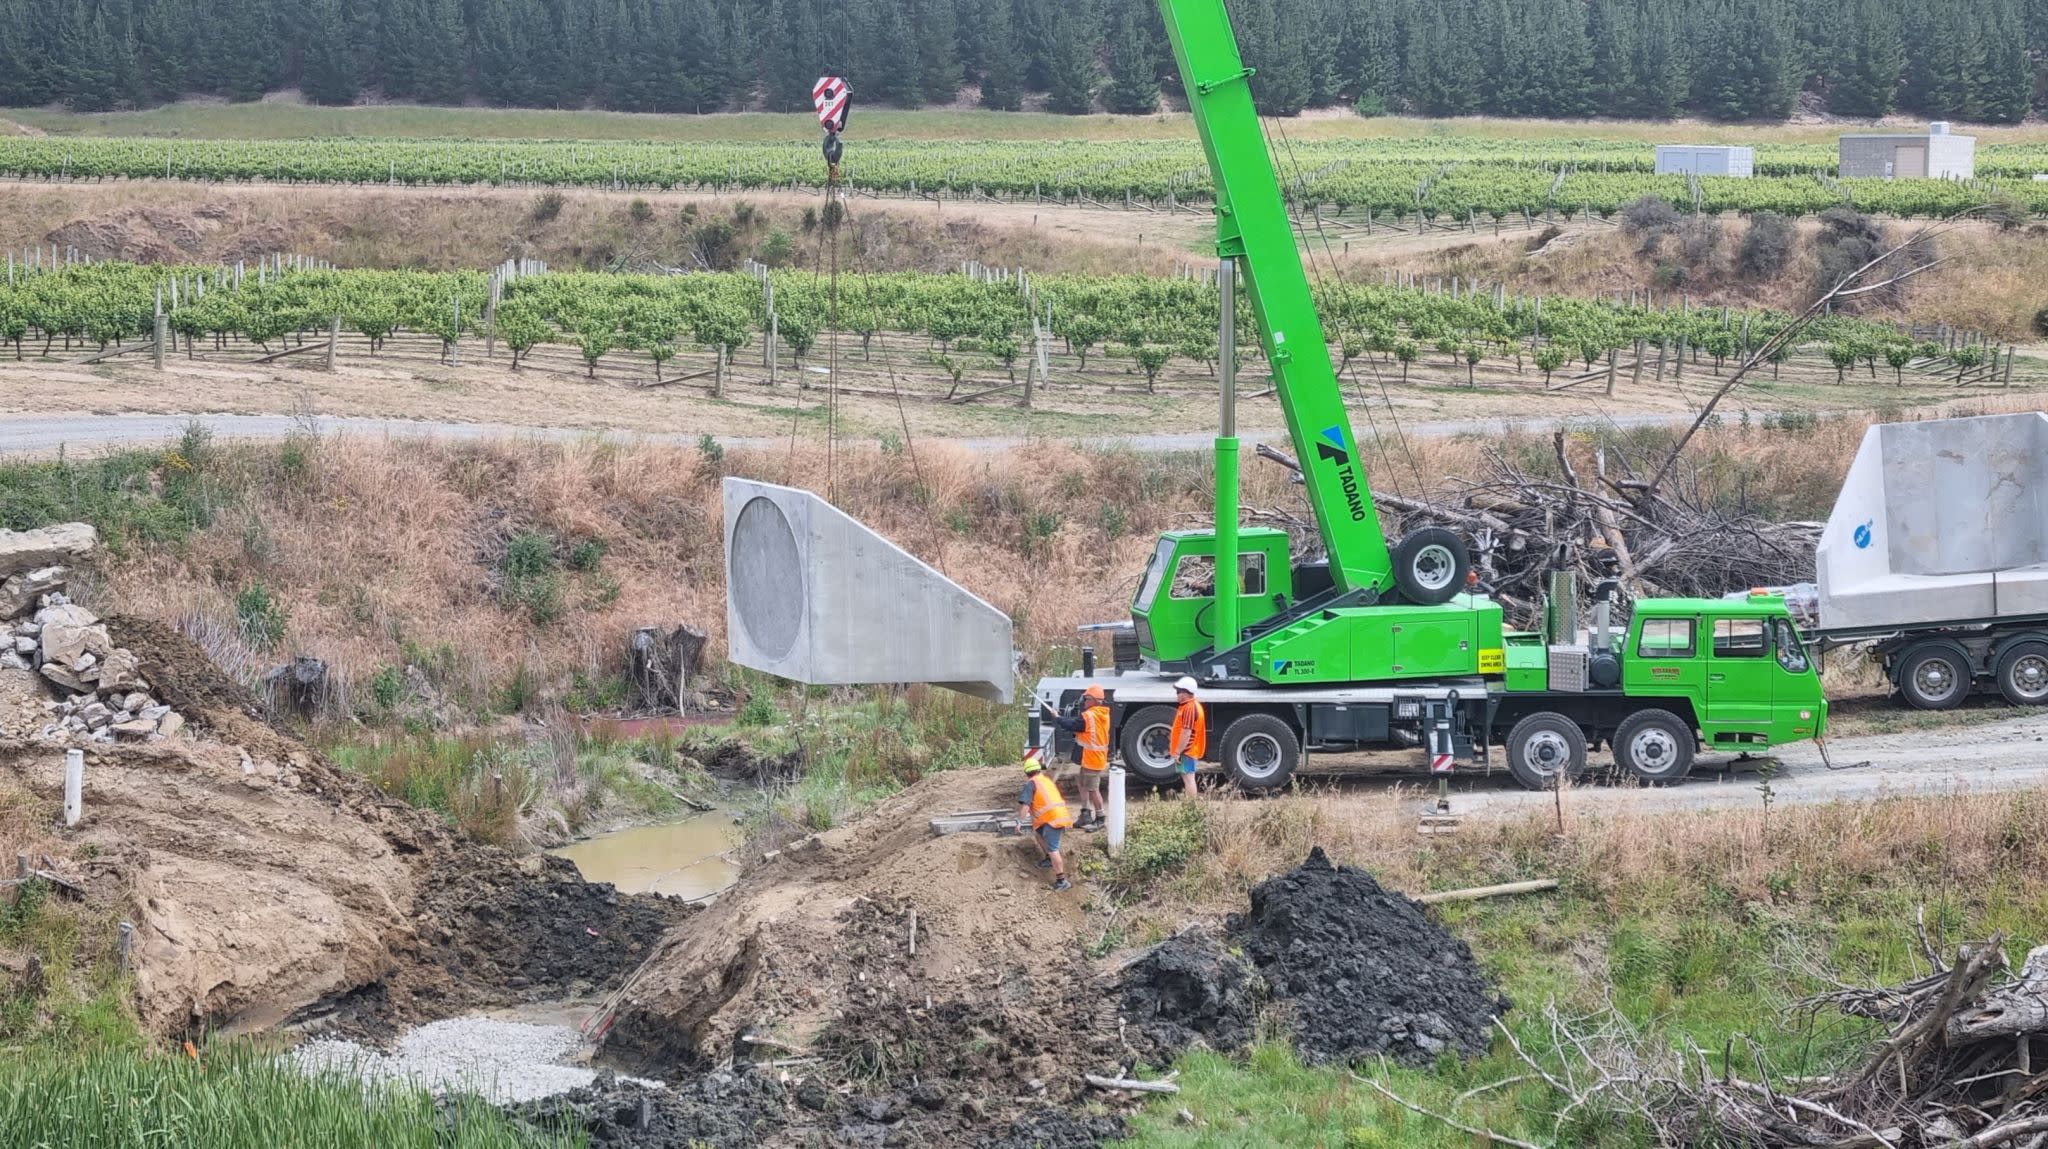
[
  {"x": 1147, "y": 745},
  {"x": 1430, "y": 565},
  {"x": 1655, "y": 746},
  {"x": 2023, "y": 674},
  {"x": 1260, "y": 752},
  {"x": 1543, "y": 746},
  {"x": 1935, "y": 677}
]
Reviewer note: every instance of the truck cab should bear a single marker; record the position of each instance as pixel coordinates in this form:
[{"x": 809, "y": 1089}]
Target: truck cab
[{"x": 1174, "y": 610}]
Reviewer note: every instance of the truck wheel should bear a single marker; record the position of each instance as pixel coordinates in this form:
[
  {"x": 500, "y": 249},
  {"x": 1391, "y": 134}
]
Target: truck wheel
[
  {"x": 1430, "y": 565},
  {"x": 2023, "y": 674},
  {"x": 1655, "y": 747},
  {"x": 1147, "y": 745},
  {"x": 1935, "y": 677},
  {"x": 1260, "y": 752},
  {"x": 1544, "y": 745}
]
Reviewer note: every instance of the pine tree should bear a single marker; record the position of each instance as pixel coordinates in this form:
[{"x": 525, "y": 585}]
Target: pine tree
[
  {"x": 1071, "y": 84},
  {"x": 1002, "y": 77},
  {"x": 331, "y": 68},
  {"x": 939, "y": 33},
  {"x": 1133, "y": 88},
  {"x": 703, "y": 80},
  {"x": 1868, "y": 56}
]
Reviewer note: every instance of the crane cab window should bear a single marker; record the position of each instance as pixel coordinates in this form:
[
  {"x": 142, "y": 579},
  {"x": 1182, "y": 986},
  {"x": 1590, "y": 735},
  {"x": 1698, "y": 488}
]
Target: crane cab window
[
  {"x": 1155, "y": 572},
  {"x": 1667, "y": 638},
  {"x": 1791, "y": 651},
  {"x": 1740, "y": 638},
  {"x": 1195, "y": 577}
]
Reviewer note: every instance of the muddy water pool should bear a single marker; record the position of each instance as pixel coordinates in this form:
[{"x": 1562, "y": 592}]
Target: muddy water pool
[{"x": 686, "y": 859}]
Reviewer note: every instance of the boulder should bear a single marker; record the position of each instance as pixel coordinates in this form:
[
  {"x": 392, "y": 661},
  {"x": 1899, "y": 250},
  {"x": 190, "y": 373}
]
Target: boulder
[
  {"x": 21, "y": 592},
  {"x": 121, "y": 670},
  {"x": 170, "y": 724},
  {"x": 22, "y": 551},
  {"x": 63, "y": 677},
  {"x": 135, "y": 703},
  {"x": 96, "y": 715},
  {"x": 134, "y": 728}
]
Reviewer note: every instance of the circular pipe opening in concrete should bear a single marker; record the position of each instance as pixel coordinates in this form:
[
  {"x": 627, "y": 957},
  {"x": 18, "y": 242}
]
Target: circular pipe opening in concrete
[{"x": 766, "y": 577}]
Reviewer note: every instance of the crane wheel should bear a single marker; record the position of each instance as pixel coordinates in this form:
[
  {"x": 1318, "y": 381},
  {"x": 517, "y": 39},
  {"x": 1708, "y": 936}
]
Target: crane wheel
[
  {"x": 1431, "y": 565},
  {"x": 1544, "y": 746},
  {"x": 1655, "y": 747},
  {"x": 1260, "y": 752},
  {"x": 1147, "y": 745},
  {"x": 1935, "y": 676}
]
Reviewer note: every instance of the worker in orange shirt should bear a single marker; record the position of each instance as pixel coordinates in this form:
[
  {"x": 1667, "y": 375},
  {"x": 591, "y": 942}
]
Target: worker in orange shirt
[
  {"x": 1040, "y": 806},
  {"x": 1190, "y": 734},
  {"x": 1090, "y": 729}
]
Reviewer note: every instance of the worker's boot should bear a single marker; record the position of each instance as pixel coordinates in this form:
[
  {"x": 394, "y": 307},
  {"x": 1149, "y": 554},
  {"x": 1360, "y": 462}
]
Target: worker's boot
[
  {"x": 1062, "y": 884},
  {"x": 1086, "y": 821}
]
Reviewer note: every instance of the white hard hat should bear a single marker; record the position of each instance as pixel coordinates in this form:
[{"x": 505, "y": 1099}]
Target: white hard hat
[{"x": 1187, "y": 684}]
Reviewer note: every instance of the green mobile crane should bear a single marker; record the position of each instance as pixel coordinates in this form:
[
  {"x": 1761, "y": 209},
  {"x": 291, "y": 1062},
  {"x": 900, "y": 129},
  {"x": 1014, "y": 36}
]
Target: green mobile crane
[{"x": 1379, "y": 646}]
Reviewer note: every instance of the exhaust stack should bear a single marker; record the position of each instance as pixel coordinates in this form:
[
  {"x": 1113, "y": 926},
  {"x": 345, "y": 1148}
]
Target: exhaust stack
[{"x": 815, "y": 597}]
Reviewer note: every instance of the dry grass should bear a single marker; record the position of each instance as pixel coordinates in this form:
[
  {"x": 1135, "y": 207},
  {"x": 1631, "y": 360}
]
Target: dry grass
[
  {"x": 1626, "y": 862},
  {"x": 386, "y": 552},
  {"x": 453, "y": 229}
]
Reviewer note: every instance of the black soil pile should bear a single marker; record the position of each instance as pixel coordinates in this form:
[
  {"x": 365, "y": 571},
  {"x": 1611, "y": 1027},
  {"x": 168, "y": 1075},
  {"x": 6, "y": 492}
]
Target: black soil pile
[
  {"x": 723, "y": 1110},
  {"x": 183, "y": 675},
  {"x": 1189, "y": 990},
  {"x": 1360, "y": 972}
]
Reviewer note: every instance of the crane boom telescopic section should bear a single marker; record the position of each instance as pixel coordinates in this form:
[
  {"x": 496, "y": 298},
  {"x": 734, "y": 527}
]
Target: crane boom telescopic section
[{"x": 1253, "y": 227}]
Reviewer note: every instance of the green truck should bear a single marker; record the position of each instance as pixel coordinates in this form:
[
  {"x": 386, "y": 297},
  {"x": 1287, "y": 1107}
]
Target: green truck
[{"x": 1376, "y": 646}]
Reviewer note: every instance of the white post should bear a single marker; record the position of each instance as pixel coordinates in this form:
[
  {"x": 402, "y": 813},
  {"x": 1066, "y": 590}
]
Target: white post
[
  {"x": 74, "y": 786},
  {"x": 1116, "y": 811}
]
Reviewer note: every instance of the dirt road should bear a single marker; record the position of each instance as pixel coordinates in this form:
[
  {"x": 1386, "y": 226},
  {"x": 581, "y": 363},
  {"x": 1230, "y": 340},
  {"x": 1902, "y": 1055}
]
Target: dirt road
[{"x": 2005, "y": 755}]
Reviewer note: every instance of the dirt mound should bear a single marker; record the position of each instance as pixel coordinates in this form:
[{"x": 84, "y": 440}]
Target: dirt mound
[
  {"x": 736, "y": 762},
  {"x": 734, "y": 1109},
  {"x": 155, "y": 234},
  {"x": 936, "y": 985},
  {"x": 1360, "y": 972},
  {"x": 1188, "y": 989},
  {"x": 265, "y": 884}
]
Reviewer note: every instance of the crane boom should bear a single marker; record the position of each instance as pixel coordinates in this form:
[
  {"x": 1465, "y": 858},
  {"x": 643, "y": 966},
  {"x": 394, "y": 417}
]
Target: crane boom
[{"x": 1254, "y": 228}]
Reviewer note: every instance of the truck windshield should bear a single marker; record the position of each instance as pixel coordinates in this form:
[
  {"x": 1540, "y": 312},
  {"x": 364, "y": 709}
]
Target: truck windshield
[{"x": 1155, "y": 572}]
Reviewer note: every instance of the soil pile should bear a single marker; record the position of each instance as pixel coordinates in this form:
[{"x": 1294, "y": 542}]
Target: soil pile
[
  {"x": 934, "y": 986},
  {"x": 735, "y": 761},
  {"x": 1191, "y": 989},
  {"x": 735, "y": 1109},
  {"x": 1360, "y": 972}
]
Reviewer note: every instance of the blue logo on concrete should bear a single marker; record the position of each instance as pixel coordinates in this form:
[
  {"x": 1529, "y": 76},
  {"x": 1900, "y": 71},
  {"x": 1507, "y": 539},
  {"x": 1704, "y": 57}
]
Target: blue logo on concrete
[{"x": 1863, "y": 535}]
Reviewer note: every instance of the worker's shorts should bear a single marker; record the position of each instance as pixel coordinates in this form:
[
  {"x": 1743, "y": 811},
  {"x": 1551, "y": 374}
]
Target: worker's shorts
[
  {"x": 1091, "y": 781},
  {"x": 1049, "y": 837},
  {"x": 1187, "y": 764}
]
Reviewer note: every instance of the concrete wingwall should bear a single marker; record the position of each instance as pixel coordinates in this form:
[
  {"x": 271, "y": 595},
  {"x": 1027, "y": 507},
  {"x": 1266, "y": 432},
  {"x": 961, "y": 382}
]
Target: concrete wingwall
[
  {"x": 814, "y": 596},
  {"x": 1940, "y": 521}
]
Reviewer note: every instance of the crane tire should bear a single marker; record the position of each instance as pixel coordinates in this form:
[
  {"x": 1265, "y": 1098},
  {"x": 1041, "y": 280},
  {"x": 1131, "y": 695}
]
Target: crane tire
[{"x": 1431, "y": 565}]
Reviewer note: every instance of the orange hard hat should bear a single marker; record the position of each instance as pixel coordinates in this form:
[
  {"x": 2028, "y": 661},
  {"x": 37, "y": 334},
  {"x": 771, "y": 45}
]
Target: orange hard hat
[{"x": 1094, "y": 691}]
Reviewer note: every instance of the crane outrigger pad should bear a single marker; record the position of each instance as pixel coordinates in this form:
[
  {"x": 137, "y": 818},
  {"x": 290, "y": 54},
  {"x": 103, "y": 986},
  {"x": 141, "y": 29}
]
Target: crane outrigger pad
[{"x": 814, "y": 596}]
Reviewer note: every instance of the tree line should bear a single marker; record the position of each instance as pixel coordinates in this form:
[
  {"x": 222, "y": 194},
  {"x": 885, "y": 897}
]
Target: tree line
[{"x": 1975, "y": 60}]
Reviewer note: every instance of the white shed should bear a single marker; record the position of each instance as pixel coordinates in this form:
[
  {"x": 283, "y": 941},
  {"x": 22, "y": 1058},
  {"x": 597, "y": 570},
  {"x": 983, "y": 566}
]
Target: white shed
[
  {"x": 1705, "y": 160},
  {"x": 1935, "y": 154}
]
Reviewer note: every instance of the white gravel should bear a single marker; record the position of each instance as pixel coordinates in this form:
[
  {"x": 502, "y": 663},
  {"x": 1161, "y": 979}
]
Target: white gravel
[{"x": 503, "y": 1061}]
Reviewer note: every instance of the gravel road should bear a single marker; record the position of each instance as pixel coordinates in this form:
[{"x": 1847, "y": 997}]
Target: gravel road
[
  {"x": 2006, "y": 755},
  {"x": 47, "y": 434}
]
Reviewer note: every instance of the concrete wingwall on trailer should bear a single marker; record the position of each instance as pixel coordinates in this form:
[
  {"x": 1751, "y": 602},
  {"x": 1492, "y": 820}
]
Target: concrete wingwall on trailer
[{"x": 1937, "y": 551}]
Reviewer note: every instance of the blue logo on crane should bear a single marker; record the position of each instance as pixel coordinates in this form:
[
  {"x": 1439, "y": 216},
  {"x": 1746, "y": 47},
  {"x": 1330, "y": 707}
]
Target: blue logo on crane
[
  {"x": 1337, "y": 452},
  {"x": 1864, "y": 535}
]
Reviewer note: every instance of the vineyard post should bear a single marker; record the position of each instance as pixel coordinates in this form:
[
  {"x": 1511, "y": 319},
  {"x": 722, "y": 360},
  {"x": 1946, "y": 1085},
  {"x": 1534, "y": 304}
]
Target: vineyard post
[
  {"x": 333, "y": 339},
  {"x": 1678, "y": 363},
  {"x": 1660, "y": 359},
  {"x": 1635, "y": 382},
  {"x": 718, "y": 374},
  {"x": 773, "y": 359},
  {"x": 2011, "y": 353},
  {"x": 1613, "y": 355},
  {"x": 162, "y": 329}
]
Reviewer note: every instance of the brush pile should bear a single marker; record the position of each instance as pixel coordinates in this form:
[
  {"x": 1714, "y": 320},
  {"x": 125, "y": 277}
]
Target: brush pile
[
  {"x": 1963, "y": 1062},
  {"x": 1526, "y": 519}
]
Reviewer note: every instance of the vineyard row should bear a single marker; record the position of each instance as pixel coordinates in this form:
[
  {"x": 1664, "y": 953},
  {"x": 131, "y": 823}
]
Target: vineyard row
[{"x": 1385, "y": 179}]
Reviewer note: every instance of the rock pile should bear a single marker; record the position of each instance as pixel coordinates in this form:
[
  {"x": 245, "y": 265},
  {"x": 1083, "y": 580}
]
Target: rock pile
[{"x": 101, "y": 694}]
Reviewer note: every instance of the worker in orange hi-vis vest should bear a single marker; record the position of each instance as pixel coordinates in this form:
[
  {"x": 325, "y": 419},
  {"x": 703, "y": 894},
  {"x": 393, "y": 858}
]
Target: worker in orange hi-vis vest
[
  {"x": 1090, "y": 729},
  {"x": 1190, "y": 734},
  {"x": 1040, "y": 806}
]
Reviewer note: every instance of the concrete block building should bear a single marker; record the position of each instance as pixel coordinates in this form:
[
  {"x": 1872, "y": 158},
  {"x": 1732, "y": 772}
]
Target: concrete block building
[
  {"x": 1705, "y": 160},
  {"x": 1935, "y": 154}
]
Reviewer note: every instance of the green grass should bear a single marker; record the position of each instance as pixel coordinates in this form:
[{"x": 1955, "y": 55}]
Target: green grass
[
  {"x": 1688, "y": 964},
  {"x": 233, "y": 1097},
  {"x": 132, "y": 497}
]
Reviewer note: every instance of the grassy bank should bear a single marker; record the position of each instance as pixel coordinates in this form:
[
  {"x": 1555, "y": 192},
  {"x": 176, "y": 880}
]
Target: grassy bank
[
  {"x": 233, "y": 1097},
  {"x": 1692, "y": 929}
]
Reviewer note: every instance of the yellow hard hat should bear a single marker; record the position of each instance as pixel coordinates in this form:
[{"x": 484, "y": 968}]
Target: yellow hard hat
[{"x": 1033, "y": 763}]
